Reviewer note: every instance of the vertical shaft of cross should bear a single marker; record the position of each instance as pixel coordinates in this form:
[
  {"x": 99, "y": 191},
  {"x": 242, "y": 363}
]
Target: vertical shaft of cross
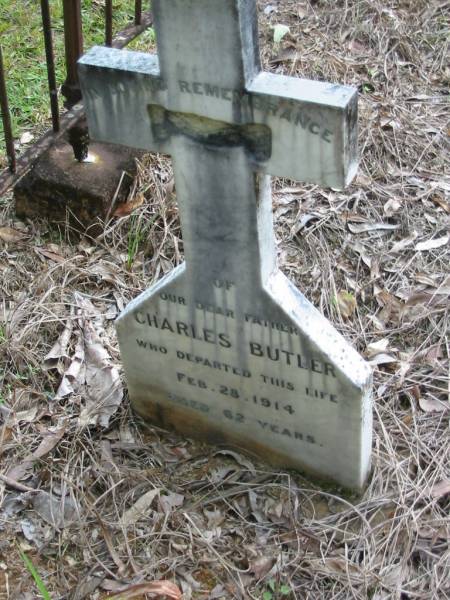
[
  {"x": 214, "y": 31},
  {"x": 226, "y": 216}
]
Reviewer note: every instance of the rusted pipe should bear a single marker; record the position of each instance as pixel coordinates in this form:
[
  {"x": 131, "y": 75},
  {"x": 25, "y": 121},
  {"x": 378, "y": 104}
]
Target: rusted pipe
[
  {"x": 137, "y": 12},
  {"x": 73, "y": 41},
  {"x": 6, "y": 118},
  {"x": 47, "y": 25},
  {"x": 108, "y": 22}
]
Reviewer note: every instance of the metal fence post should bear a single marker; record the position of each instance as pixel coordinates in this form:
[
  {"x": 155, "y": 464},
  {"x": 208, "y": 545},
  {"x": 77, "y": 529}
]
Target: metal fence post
[
  {"x": 108, "y": 23},
  {"x": 137, "y": 12},
  {"x": 6, "y": 118},
  {"x": 73, "y": 39},
  {"x": 48, "y": 40}
]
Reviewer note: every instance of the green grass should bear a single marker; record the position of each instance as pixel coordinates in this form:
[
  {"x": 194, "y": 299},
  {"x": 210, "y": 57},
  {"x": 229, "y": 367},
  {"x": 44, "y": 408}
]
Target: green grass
[
  {"x": 37, "y": 578},
  {"x": 24, "y": 55},
  {"x": 135, "y": 236}
]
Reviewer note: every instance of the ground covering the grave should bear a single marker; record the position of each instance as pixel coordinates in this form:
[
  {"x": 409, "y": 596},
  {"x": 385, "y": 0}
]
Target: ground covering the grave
[{"x": 121, "y": 503}]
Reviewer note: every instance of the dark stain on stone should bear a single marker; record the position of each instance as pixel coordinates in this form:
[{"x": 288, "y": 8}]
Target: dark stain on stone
[
  {"x": 255, "y": 138},
  {"x": 78, "y": 137}
]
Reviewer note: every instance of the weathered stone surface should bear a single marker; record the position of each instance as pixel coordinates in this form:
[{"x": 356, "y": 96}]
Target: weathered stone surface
[
  {"x": 225, "y": 348},
  {"x": 66, "y": 191}
]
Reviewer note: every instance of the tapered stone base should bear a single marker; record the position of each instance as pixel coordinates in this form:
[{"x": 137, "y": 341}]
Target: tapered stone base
[{"x": 286, "y": 387}]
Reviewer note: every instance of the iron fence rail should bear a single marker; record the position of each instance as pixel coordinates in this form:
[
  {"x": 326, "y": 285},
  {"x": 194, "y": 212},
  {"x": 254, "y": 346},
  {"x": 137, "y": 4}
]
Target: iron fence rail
[
  {"x": 73, "y": 44},
  {"x": 6, "y": 117},
  {"x": 108, "y": 22},
  {"x": 50, "y": 58}
]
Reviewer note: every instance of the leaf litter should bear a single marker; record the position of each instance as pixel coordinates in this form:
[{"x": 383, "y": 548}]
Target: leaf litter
[{"x": 121, "y": 504}]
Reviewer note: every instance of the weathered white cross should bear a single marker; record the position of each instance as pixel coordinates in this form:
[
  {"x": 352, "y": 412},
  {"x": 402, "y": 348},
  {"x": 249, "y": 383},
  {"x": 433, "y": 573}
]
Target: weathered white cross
[{"x": 224, "y": 347}]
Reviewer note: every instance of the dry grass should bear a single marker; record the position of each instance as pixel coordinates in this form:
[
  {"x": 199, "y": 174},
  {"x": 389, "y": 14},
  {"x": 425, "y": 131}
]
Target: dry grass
[{"x": 220, "y": 525}]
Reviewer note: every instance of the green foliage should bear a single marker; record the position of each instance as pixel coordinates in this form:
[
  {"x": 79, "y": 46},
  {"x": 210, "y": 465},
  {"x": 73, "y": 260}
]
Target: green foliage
[
  {"x": 279, "y": 31},
  {"x": 135, "y": 236},
  {"x": 37, "y": 579},
  {"x": 24, "y": 54},
  {"x": 276, "y": 590}
]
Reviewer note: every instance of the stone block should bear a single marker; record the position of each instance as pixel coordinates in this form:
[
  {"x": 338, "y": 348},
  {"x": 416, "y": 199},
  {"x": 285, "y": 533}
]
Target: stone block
[{"x": 66, "y": 191}]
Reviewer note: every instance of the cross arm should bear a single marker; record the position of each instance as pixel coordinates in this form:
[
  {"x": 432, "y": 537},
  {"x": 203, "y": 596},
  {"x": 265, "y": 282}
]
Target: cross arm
[
  {"x": 313, "y": 125},
  {"x": 117, "y": 87}
]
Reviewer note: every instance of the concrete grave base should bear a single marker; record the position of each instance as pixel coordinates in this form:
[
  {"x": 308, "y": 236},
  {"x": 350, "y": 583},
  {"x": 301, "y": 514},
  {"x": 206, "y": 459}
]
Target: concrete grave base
[{"x": 65, "y": 191}]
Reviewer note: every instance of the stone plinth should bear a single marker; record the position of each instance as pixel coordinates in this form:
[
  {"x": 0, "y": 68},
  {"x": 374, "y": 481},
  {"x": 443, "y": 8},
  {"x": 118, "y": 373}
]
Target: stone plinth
[{"x": 65, "y": 191}]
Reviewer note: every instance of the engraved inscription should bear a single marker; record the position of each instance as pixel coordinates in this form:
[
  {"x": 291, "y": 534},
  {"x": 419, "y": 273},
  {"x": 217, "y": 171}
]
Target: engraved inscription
[
  {"x": 182, "y": 328},
  {"x": 291, "y": 359},
  {"x": 270, "y": 105},
  {"x": 203, "y": 382}
]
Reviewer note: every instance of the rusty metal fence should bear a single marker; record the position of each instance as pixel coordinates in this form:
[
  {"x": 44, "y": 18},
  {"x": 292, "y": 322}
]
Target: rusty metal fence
[{"x": 73, "y": 45}]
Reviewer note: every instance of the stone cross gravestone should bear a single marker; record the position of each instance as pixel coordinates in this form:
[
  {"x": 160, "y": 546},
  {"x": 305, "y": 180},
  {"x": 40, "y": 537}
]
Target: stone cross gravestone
[{"x": 224, "y": 347}]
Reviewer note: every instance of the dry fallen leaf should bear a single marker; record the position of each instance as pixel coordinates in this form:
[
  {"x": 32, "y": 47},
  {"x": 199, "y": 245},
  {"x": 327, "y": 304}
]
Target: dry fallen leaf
[
  {"x": 353, "y": 217},
  {"x": 215, "y": 518},
  {"x": 126, "y": 208},
  {"x": 442, "y": 203},
  {"x": 87, "y": 586},
  {"x": 139, "y": 508},
  {"x": 54, "y": 256},
  {"x": 346, "y": 303},
  {"x": 285, "y": 55},
  {"x": 261, "y": 565},
  {"x": 161, "y": 588},
  {"x": 48, "y": 442},
  {"x": 426, "y": 279},
  {"x": 382, "y": 359},
  {"x": 244, "y": 462},
  {"x": 279, "y": 31},
  {"x": 440, "y": 489},
  {"x": 35, "y": 533},
  {"x": 377, "y": 347},
  {"x": 103, "y": 385},
  {"x": 428, "y": 404},
  {"x": 168, "y": 502},
  {"x": 392, "y": 206},
  {"x": 74, "y": 376},
  {"x": 363, "y": 227},
  {"x": 363, "y": 252},
  {"x": 26, "y": 137},
  {"x": 58, "y": 353},
  {"x": 432, "y": 244},
  {"x": 337, "y": 566},
  {"x": 10, "y": 235},
  {"x": 404, "y": 243},
  {"x": 58, "y": 512},
  {"x": 25, "y": 416},
  {"x": 98, "y": 377}
]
